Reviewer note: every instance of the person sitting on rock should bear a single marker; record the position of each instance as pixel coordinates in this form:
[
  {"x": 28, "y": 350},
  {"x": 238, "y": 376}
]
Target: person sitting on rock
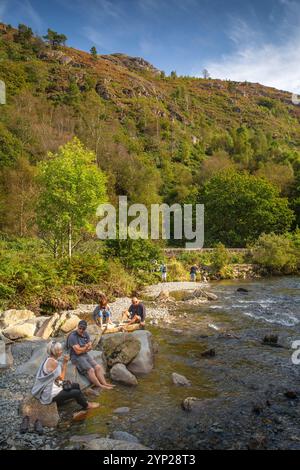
[
  {"x": 102, "y": 313},
  {"x": 136, "y": 312},
  {"x": 48, "y": 386},
  {"x": 79, "y": 344}
]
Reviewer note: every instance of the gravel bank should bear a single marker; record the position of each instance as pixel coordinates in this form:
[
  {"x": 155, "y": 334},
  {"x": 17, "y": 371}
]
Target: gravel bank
[{"x": 154, "y": 290}]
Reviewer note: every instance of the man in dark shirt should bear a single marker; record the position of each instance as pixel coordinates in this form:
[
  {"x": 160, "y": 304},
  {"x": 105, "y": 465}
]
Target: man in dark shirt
[
  {"x": 136, "y": 312},
  {"x": 79, "y": 344}
]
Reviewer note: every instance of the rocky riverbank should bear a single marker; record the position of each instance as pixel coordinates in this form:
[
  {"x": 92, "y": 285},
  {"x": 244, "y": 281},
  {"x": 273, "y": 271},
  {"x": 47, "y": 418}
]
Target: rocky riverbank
[{"x": 215, "y": 384}]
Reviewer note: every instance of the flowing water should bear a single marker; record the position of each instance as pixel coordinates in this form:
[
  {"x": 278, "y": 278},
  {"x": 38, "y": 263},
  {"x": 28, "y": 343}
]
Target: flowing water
[{"x": 241, "y": 365}]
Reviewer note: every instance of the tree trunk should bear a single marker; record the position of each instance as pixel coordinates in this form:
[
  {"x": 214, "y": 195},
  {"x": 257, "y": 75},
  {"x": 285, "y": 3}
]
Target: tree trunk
[{"x": 70, "y": 240}]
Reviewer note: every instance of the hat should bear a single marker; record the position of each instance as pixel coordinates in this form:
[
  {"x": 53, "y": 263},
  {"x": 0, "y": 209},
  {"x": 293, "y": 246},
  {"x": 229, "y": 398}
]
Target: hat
[{"x": 83, "y": 324}]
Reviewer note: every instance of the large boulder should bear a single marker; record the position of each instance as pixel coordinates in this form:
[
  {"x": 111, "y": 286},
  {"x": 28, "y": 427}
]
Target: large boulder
[
  {"x": 21, "y": 330},
  {"x": 12, "y": 317},
  {"x": 95, "y": 333},
  {"x": 48, "y": 327},
  {"x": 143, "y": 363},
  {"x": 47, "y": 414},
  {"x": 31, "y": 366},
  {"x": 120, "y": 373},
  {"x": 70, "y": 324},
  {"x": 120, "y": 348}
]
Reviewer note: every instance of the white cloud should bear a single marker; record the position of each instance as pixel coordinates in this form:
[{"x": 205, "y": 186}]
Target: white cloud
[
  {"x": 255, "y": 59},
  {"x": 269, "y": 64}
]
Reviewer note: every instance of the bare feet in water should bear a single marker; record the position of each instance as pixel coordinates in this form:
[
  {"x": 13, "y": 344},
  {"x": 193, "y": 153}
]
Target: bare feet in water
[{"x": 92, "y": 405}]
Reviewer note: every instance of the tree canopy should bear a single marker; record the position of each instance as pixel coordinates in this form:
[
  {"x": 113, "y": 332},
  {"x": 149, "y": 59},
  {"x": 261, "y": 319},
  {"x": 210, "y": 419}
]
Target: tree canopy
[{"x": 239, "y": 207}]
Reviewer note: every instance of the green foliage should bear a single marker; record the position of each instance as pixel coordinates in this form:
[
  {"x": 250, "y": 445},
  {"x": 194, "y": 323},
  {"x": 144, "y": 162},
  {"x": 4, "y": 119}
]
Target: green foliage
[
  {"x": 55, "y": 39},
  {"x": 24, "y": 35},
  {"x": 134, "y": 254},
  {"x": 276, "y": 253},
  {"x": 239, "y": 207},
  {"x": 176, "y": 271},
  {"x": 30, "y": 277},
  {"x": 10, "y": 147},
  {"x": 72, "y": 187},
  {"x": 94, "y": 52},
  {"x": 220, "y": 257}
]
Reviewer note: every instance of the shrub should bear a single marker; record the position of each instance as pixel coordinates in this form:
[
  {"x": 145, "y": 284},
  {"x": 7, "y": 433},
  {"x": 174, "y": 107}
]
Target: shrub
[
  {"x": 276, "y": 253},
  {"x": 176, "y": 271},
  {"x": 220, "y": 257}
]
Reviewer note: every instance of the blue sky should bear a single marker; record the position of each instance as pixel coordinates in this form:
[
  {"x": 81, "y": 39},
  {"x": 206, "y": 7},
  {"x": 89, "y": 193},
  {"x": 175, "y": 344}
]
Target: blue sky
[{"x": 257, "y": 40}]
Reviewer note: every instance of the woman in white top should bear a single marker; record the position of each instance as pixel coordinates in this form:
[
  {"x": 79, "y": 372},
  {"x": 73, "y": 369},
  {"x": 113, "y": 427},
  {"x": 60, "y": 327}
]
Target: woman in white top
[{"x": 47, "y": 387}]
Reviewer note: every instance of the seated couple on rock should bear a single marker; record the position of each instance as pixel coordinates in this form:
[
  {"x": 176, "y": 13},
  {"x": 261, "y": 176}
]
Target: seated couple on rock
[
  {"x": 136, "y": 313},
  {"x": 50, "y": 385}
]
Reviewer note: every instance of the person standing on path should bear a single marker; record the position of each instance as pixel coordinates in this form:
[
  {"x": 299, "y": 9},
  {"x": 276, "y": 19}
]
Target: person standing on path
[{"x": 164, "y": 271}]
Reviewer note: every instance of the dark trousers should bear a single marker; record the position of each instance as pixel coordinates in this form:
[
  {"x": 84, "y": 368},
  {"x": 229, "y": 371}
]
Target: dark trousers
[{"x": 73, "y": 394}]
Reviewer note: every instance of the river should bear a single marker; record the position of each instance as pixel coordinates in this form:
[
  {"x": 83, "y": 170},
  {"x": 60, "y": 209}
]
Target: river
[{"x": 242, "y": 387}]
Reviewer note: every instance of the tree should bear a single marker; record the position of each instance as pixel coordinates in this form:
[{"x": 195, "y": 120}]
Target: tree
[
  {"x": 94, "y": 52},
  {"x": 205, "y": 74},
  {"x": 72, "y": 187},
  {"x": 55, "y": 39},
  {"x": 24, "y": 34},
  {"x": 239, "y": 207},
  {"x": 173, "y": 74}
]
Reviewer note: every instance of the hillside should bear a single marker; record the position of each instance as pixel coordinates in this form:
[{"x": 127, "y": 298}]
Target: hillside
[{"x": 157, "y": 138}]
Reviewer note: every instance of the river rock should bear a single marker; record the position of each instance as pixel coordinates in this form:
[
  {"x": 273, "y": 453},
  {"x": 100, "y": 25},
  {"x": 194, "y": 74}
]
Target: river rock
[
  {"x": 122, "y": 411},
  {"x": 291, "y": 394},
  {"x": 200, "y": 294},
  {"x": 21, "y": 330},
  {"x": 143, "y": 363},
  {"x": 123, "y": 436},
  {"x": 180, "y": 380},
  {"x": 209, "y": 295},
  {"x": 271, "y": 340},
  {"x": 12, "y": 317},
  {"x": 120, "y": 348},
  {"x": 164, "y": 296},
  {"x": 242, "y": 290},
  {"x": 120, "y": 373},
  {"x": 113, "y": 444},
  {"x": 190, "y": 403},
  {"x": 47, "y": 414},
  {"x": 258, "y": 442},
  {"x": 209, "y": 353},
  {"x": 48, "y": 327},
  {"x": 70, "y": 324}
]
